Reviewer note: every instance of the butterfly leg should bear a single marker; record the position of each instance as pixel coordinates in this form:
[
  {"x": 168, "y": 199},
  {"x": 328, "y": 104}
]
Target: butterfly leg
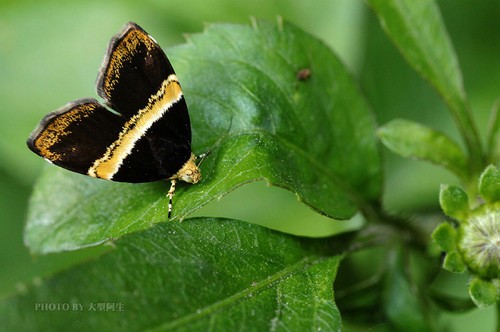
[{"x": 170, "y": 195}]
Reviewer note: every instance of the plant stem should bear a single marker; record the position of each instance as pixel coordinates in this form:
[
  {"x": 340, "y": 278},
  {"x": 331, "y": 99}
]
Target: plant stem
[
  {"x": 464, "y": 121},
  {"x": 406, "y": 230}
]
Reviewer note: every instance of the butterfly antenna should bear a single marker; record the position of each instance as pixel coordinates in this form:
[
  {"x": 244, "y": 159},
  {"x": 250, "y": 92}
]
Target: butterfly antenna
[{"x": 202, "y": 156}]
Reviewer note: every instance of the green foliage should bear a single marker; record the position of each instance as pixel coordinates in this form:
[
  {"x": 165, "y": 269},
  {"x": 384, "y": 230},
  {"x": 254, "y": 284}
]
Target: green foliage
[
  {"x": 445, "y": 236},
  {"x": 483, "y": 293},
  {"x": 314, "y": 136},
  {"x": 417, "y": 29},
  {"x": 489, "y": 184},
  {"x": 453, "y": 262},
  {"x": 454, "y": 201},
  {"x": 187, "y": 276}
]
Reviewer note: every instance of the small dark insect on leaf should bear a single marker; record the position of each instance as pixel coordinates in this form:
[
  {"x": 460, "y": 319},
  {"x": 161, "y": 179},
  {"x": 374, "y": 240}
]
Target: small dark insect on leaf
[{"x": 304, "y": 74}]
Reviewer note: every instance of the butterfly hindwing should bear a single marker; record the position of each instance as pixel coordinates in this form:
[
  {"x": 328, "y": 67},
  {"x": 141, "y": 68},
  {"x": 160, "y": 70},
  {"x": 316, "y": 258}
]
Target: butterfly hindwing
[
  {"x": 75, "y": 135},
  {"x": 166, "y": 155}
]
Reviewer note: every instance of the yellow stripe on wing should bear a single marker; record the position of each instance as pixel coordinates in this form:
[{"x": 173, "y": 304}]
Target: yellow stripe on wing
[{"x": 109, "y": 164}]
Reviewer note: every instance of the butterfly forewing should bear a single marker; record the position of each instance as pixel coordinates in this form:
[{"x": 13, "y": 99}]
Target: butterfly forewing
[{"x": 133, "y": 70}]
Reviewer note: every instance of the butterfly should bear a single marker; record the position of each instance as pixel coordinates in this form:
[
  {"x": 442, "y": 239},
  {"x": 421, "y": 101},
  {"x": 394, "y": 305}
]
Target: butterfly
[{"x": 145, "y": 137}]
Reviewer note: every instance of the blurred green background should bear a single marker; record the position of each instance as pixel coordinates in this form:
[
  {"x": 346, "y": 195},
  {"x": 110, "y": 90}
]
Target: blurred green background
[{"x": 50, "y": 53}]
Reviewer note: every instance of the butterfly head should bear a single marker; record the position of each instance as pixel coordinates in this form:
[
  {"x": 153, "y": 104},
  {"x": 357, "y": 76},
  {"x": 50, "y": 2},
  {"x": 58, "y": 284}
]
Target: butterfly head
[{"x": 190, "y": 172}]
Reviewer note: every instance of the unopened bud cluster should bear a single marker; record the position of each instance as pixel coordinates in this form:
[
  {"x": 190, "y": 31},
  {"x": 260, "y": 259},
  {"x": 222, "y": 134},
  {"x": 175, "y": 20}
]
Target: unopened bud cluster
[{"x": 472, "y": 240}]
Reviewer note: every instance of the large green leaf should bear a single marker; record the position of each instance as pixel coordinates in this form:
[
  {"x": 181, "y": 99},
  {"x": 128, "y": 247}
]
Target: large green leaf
[
  {"x": 314, "y": 136},
  {"x": 418, "y": 31},
  {"x": 202, "y": 274}
]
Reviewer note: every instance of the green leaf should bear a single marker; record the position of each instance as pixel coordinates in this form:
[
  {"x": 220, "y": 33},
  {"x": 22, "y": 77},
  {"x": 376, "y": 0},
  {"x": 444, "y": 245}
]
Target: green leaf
[
  {"x": 454, "y": 202},
  {"x": 484, "y": 293},
  {"x": 221, "y": 273},
  {"x": 417, "y": 29},
  {"x": 445, "y": 236},
  {"x": 453, "y": 262},
  {"x": 315, "y": 137},
  {"x": 410, "y": 139},
  {"x": 489, "y": 184}
]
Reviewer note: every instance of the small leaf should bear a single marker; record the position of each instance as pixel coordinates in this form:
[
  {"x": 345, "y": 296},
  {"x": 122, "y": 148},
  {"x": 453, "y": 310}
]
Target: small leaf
[
  {"x": 221, "y": 273},
  {"x": 483, "y": 293},
  {"x": 453, "y": 262},
  {"x": 417, "y": 29},
  {"x": 454, "y": 202},
  {"x": 410, "y": 139},
  {"x": 489, "y": 184},
  {"x": 259, "y": 122},
  {"x": 445, "y": 236}
]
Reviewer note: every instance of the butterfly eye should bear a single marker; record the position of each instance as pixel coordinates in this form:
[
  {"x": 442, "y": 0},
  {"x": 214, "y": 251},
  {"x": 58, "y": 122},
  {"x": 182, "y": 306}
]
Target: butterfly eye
[{"x": 191, "y": 175}]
